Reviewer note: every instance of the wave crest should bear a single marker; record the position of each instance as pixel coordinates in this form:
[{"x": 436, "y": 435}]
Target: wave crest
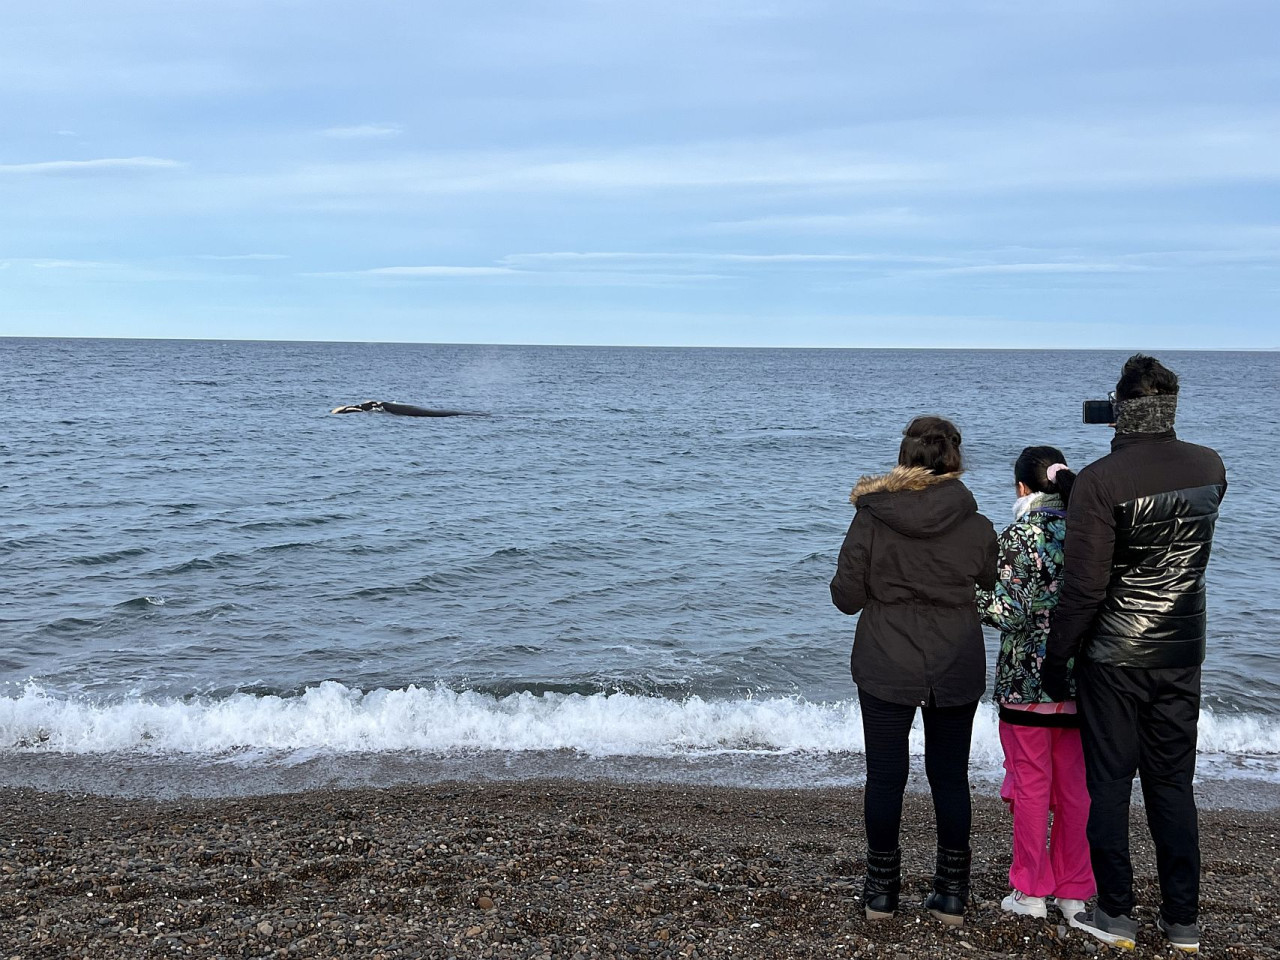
[{"x": 333, "y": 718}]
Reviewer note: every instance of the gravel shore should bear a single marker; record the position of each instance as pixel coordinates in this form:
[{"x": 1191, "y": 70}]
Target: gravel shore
[{"x": 544, "y": 869}]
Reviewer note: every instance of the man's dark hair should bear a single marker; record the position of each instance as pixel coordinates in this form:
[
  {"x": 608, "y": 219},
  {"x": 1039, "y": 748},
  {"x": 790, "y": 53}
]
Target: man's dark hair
[
  {"x": 1145, "y": 376},
  {"x": 932, "y": 443}
]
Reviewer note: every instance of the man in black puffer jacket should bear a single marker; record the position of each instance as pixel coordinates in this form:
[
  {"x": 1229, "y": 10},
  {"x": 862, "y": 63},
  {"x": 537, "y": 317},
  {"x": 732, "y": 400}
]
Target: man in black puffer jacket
[{"x": 1132, "y": 613}]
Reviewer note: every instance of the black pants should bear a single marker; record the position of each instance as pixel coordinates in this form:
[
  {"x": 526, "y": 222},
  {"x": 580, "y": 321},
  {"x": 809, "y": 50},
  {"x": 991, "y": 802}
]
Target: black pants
[
  {"x": 947, "y": 732},
  {"x": 1142, "y": 721}
]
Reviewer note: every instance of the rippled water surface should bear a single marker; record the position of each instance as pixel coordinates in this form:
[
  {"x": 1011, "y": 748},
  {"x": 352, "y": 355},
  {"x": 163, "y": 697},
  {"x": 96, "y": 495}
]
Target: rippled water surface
[{"x": 630, "y": 532}]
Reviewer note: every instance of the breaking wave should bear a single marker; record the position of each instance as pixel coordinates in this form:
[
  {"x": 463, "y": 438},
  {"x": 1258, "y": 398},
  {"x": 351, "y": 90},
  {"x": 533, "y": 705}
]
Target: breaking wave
[{"x": 333, "y": 718}]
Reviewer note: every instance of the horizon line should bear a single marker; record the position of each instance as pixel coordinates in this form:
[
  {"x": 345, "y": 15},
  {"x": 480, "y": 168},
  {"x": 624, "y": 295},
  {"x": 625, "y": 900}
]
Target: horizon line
[{"x": 653, "y": 346}]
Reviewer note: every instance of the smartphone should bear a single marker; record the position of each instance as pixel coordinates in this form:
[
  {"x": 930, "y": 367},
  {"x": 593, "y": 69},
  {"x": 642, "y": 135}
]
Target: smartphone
[{"x": 1099, "y": 411}]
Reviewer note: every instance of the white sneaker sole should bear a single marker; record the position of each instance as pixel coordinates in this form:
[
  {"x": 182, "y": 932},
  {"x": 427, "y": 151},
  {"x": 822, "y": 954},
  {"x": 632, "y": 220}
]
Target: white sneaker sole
[{"x": 1019, "y": 910}]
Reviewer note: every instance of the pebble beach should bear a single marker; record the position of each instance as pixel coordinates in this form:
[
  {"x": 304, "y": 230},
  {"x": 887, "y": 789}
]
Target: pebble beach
[{"x": 545, "y": 869}]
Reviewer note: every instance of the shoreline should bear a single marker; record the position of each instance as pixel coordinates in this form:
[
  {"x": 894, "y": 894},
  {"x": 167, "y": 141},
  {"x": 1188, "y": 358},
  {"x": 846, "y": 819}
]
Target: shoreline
[
  {"x": 257, "y": 774},
  {"x": 536, "y": 868}
]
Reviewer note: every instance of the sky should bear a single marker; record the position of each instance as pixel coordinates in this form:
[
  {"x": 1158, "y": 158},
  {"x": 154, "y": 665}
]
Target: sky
[{"x": 951, "y": 173}]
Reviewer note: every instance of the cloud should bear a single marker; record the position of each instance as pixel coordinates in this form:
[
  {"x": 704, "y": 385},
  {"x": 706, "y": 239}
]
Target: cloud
[
  {"x": 626, "y": 268},
  {"x": 1051, "y": 267},
  {"x": 581, "y": 262},
  {"x": 367, "y": 131},
  {"x": 439, "y": 271},
  {"x": 1266, "y": 253},
  {"x": 736, "y": 165},
  {"x": 621, "y": 259},
  {"x": 70, "y": 273},
  {"x": 533, "y": 274},
  {"x": 894, "y": 219},
  {"x": 899, "y": 167},
  {"x": 41, "y": 263},
  {"x": 77, "y": 166},
  {"x": 425, "y": 272},
  {"x": 615, "y": 268},
  {"x": 242, "y": 256}
]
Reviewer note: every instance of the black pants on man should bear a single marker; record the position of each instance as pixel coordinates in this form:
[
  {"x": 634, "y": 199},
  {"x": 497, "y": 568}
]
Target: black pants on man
[{"x": 1142, "y": 721}]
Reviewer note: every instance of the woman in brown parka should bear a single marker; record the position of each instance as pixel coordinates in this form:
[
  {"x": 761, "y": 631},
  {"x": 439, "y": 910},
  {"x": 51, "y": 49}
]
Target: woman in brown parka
[{"x": 915, "y": 551}]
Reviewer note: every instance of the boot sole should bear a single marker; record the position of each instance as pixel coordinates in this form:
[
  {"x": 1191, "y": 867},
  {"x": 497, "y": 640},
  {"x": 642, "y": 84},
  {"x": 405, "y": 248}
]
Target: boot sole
[
  {"x": 878, "y": 914},
  {"x": 950, "y": 919}
]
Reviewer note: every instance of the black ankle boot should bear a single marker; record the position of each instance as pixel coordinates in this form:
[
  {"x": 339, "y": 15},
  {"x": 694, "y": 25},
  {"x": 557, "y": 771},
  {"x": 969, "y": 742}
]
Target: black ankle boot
[
  {"x": 884, "y": 880},
  {"x": 950, "y": 886}
]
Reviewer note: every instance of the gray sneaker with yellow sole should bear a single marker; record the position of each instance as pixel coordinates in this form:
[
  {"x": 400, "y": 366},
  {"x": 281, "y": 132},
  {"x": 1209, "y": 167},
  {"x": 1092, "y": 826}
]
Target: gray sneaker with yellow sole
[
  {"x": 1181, "y": 936},
  {"x": 1121, "y": 931}
]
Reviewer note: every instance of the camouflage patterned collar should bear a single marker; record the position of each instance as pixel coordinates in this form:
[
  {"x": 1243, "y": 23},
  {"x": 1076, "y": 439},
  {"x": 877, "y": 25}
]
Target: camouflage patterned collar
[{"x": 1152, "y": 414}]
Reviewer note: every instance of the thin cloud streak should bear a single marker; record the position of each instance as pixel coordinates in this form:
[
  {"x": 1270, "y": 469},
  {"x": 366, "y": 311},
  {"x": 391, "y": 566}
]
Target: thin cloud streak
[
  {"x": 68, "y": 274},
  {"x": 242, "y": 256},
  {"x": 367, "y": 131},
  {"x": 893, "y": 220},
  {"x": 439, "y": 271},
  {"x": 564, "y": 266},
  {"x": 614, "y": 257},
  {"x": 676, "y": 167},
  {"x": 103, "y": 163},
  {"x": 425, "y": 272},
  {"x": 550, "y": 264},
  {"x": 44, "y": 263},
  {"x": 535, "y": 276},
  {"x": 1047, "y": 268}
]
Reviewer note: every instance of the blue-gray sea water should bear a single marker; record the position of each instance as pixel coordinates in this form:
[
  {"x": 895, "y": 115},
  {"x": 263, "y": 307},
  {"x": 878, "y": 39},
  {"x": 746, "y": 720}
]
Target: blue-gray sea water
[{"x": 627, "y": 560}]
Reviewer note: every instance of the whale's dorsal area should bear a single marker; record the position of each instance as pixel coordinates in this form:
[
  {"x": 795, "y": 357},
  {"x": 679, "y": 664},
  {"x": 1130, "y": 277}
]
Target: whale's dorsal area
[{"x": 401, "y": 410}]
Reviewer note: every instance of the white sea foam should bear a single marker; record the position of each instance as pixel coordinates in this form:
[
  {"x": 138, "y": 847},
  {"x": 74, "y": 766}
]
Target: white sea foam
[{"x": 332, "y": 718}]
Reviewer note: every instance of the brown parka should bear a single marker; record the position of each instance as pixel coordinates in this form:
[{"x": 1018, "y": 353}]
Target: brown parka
[{"x": 915, "y": 551}]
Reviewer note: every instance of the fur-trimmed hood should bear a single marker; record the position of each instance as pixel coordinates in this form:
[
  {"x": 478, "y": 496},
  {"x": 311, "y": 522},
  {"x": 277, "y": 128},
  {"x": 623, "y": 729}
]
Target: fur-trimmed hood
[
  {"x": 898, "y": 479},
  {"x": 914, "y": 501}
]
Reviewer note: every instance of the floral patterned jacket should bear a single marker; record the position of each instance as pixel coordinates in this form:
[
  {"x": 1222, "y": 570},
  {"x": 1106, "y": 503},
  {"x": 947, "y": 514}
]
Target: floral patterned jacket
[{"x": 1024, "y": 596}]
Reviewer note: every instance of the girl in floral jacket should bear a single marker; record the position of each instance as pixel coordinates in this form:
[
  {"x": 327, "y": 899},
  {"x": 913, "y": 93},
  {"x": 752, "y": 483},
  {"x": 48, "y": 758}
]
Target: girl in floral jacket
[{"x": 1043, "y": 760}]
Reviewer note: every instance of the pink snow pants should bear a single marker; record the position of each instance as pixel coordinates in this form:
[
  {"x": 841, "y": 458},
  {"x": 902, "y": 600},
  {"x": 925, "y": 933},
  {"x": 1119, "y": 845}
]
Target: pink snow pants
[{"x": 1044, "y": 771}]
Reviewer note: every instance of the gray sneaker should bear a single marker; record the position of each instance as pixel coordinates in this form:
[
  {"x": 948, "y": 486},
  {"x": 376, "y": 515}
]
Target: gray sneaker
[
  {"x": 1181, "y": 936},
  {"x": 1121, "y": 931}
]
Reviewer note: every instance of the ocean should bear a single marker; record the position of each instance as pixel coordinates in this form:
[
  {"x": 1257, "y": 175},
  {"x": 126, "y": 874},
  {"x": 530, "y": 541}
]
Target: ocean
[{"x": 214, "y": 586}]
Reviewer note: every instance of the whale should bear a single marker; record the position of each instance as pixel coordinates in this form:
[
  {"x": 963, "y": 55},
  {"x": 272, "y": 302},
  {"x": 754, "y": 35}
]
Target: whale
[{"x": 402, "y": 410}]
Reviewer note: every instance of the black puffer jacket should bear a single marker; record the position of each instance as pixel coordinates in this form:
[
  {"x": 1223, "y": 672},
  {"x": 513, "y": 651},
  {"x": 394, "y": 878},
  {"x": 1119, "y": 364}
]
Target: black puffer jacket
[
  {"x": 1139, "y": 530},
  {"x": 914, "y": 552}
]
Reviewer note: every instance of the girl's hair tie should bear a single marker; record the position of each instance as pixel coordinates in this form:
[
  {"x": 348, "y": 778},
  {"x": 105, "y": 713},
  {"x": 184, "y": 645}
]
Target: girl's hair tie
[{"x": 1053, "y": 471}]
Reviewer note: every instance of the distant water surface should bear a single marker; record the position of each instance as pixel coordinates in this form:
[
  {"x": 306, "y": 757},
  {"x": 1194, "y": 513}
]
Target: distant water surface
[{"x": 629, "y": 557}]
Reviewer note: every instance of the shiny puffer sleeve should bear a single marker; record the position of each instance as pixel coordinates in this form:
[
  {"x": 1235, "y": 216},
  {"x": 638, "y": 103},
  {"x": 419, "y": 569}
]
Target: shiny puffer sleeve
[{"x": 1090, "y": 546}]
